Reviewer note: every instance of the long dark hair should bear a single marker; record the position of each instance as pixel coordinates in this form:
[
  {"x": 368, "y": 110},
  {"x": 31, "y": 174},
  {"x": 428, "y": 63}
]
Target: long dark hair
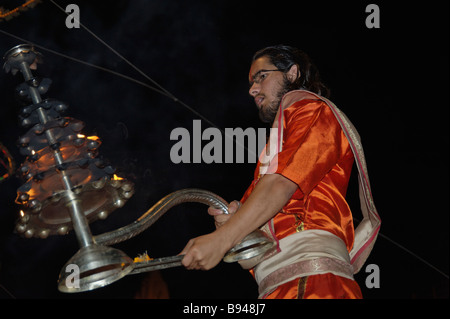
[{"x": 283, "y": 57}]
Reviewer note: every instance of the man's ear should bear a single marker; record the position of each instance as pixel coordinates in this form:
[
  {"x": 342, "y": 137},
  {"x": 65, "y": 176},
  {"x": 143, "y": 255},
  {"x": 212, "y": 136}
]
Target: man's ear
[{"x": 293, "y": 73}]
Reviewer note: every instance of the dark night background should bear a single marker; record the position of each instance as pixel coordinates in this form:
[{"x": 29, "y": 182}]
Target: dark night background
[{"x": 392, "y": 82}]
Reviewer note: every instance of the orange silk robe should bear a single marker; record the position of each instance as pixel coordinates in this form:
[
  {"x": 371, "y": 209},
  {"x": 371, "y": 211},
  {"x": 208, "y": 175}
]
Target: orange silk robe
[{"x": 317, "y": 157}]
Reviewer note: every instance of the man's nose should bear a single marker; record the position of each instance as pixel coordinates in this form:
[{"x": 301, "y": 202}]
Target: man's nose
[{"x": 254, "y": 89}]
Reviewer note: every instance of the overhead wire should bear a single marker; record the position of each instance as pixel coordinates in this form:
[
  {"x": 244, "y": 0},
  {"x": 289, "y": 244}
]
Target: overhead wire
[
  {"x": 166, "y": 92},
  {"x": 129, "y": 78}
]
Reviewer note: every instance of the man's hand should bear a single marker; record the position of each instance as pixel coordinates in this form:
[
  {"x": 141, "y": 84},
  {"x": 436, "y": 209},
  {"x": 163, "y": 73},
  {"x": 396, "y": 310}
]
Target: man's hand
[
  {"x": 204, "y": 252},
  {"x": 220, "y": 217}
]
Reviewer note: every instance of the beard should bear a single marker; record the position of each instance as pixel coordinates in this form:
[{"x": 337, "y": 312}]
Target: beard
[{"x": 268, "y": 113}]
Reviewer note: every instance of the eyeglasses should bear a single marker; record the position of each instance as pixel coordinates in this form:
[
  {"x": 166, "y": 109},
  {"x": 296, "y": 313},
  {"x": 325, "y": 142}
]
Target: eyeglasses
[{"x": 261, "y": 76}]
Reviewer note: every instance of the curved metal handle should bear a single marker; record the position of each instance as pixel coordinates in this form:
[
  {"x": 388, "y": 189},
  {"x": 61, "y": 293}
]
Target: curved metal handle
[
  {"x": 254, "y": 244},
  {"x": 159, "y": 209}
]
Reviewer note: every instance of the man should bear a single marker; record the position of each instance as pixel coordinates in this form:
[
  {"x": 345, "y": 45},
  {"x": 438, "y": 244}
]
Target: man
[{"x": 299, "y": 197}]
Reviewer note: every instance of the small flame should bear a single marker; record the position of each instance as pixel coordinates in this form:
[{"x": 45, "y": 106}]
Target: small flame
[
  {"x": 142, "y": 258},
  {"x": 33, "y": 152},
  {"x": 93, "y": 138},
  {"x": 117, "y": 178},
  {"x": 22, "y": 214}
]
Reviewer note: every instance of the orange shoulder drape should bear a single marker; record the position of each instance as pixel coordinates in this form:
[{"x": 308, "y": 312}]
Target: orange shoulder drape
[{"x": 317, "y": 157}]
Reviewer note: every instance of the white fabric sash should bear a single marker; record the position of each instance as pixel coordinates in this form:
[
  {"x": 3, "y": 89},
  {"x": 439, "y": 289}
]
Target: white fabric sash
[{"x": 309, "y": 252}]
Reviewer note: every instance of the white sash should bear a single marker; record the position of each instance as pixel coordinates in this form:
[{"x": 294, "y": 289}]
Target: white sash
[{"x": 309, "y": 252}]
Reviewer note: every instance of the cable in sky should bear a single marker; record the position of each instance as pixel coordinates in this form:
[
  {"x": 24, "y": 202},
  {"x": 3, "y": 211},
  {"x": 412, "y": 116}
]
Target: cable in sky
[{"x": 167, "y": 93}]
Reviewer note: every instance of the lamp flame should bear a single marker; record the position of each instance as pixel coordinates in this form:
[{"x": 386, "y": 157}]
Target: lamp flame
[
  {"x": 93, "y": 138},
  {"x": 117, "y": 178}
]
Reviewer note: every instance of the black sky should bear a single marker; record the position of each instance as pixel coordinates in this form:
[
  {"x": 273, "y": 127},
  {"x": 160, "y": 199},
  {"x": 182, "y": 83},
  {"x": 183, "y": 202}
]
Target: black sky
[{"x": 392, "y": 82}]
